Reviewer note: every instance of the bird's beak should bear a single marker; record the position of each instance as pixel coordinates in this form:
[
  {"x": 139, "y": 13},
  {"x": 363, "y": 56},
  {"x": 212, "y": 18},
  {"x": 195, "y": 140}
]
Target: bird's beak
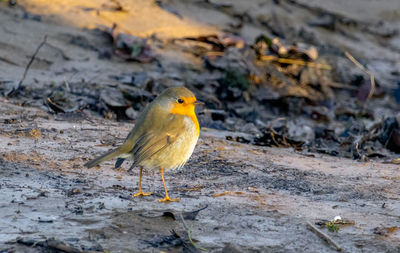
[{"x": 198, "y": 103}]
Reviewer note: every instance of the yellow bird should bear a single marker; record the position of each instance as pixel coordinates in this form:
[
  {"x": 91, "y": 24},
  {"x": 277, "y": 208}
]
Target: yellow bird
[{"x": 163, "y": 138}]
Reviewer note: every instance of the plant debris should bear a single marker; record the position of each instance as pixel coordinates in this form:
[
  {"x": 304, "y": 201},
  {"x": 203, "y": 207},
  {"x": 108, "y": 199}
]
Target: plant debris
[
  {"x": 53, "y": 245},
  {"x": 385, "y": 231},
  {"x": 129, "y": 47}
]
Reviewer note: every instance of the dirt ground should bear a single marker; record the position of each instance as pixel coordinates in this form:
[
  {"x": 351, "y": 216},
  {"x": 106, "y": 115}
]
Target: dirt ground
[
  {"x": 234, "y": 197},
  {"x": 47, "y": 193}
]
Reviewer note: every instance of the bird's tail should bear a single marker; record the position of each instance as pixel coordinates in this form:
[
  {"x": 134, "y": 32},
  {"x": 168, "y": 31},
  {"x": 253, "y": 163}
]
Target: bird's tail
[{"x": 107, "y": 156}]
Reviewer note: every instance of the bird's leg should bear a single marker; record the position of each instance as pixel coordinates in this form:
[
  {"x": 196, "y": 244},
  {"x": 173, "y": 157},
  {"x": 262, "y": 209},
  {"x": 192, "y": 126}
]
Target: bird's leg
[
  {"x": 140, "y": 193},
  {"x": 166, "y": 198}
]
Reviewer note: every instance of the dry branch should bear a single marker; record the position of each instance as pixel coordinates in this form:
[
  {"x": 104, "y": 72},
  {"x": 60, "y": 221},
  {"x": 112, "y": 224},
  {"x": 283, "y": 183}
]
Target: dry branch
[
  {"x": 15, "y": 90},
  {"x": 365, "y": 70},
  {"x": 323, "y": 235},
  {"x": 189, "y": 232},
  {"x": 296, "y": 61}
]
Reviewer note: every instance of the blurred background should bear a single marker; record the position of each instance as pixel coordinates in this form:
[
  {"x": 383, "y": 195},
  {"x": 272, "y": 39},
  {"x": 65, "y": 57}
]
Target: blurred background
[{"x": 317, "y": 75}]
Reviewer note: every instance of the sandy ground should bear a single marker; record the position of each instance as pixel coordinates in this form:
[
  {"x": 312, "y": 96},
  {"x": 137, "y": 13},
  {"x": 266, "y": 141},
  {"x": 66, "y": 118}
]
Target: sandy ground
[
  {"x": 46, "y": 193},
  {"x": 368, "y": 30}
]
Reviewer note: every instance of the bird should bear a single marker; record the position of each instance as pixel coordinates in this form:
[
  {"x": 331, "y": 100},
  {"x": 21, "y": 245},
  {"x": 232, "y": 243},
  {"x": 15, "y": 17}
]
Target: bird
[{"x": 163, "y": 138}]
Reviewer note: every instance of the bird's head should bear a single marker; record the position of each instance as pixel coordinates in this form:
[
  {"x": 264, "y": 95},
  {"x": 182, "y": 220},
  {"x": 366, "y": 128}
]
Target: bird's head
[{"x": 179, "y": 100}]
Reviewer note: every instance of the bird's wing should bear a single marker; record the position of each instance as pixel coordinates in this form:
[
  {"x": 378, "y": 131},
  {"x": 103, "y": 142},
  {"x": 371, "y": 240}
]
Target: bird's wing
[{"x": 155, "y": 141}]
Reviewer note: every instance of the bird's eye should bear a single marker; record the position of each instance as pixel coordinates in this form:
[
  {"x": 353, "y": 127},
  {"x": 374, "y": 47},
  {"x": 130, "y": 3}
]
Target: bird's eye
[{"x": 180, "y": 101}]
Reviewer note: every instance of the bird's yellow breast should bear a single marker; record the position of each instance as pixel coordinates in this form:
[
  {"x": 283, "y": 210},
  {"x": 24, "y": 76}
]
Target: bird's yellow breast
[
  {"x": 187, "y": 109},
  {"x": 178, "y": 152}
]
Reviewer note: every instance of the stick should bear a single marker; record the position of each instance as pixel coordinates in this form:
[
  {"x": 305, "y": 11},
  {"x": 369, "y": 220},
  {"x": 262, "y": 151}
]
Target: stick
[
  {"x": 15, "y": 90},
  {"x": 63, "y": 54},
  {"x": 297, "y": 62},
  {"x": 323, "y": 235},
  {"x": 226, "y": 193},
  {"x": 189, "y": 232},
  {"x": 364, "y": 69},
  {"x": 53, "y": 244},
  {"x": 8, "y": 61}
]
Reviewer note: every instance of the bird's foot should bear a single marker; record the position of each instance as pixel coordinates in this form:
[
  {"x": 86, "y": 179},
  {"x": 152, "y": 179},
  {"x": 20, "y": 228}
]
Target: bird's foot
[
  {"x": 141, "y": 194},
  {"x": 168, "y": 199}
]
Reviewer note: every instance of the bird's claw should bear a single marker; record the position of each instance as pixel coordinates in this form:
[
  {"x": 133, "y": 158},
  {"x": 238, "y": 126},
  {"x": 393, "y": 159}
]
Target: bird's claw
[
  {"x": 141, "y": 194},
  {"x": 168, "y": 199}
]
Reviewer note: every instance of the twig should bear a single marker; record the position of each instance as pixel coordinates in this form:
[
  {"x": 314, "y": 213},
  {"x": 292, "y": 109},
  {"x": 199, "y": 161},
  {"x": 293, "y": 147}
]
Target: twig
[
  {"x": 394, "y": 161},
  {"x": 323, "y": 235},
  {"x": 63, "y": 54},
  {"x": 273, "y": 138},
  {"x": 341, "y": 86},
  {"x": 226, "y": 193},
  {"x": 360, "y": 140},
  {"x": 214, "y": 53},
  {"x": 53, "y": 244},
  {"x": 365, "y": 70},
  {"x": 357, "y": 143},
  {"x": 274, "y": 121},
  {"x": 56, "y": 108},
  {"x": 189, "y": 232},
  {"x": 297, "y": 62},
  {"x": 8, "y": 61},
  {"x": 15, "y": 90},
  {"x": 273, "y": 132}
]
